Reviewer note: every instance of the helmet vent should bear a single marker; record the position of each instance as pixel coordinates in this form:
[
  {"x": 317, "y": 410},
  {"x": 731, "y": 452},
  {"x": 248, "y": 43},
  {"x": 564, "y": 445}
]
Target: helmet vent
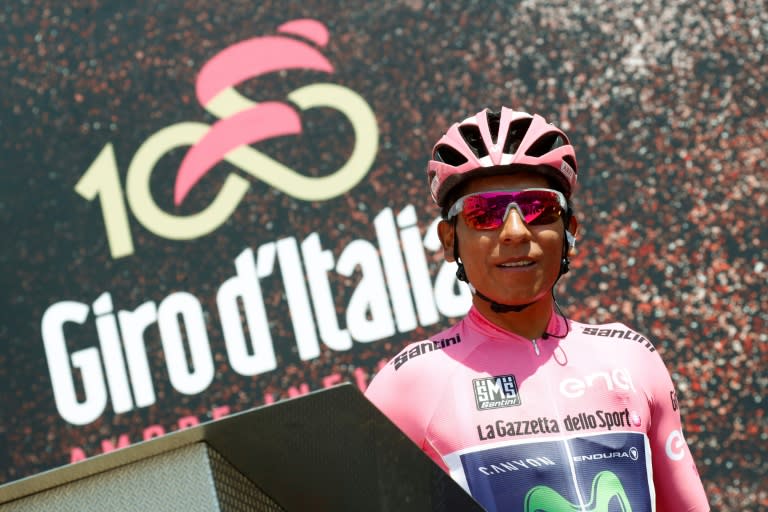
[
  {"x": 494, "y": 120},
  {"x": 474, "y": 140},
  {"x": 515, "y": 135},
  {"x": 450, "y": 156},
  {"x": 545, "y": 144},
  {"x": 570, "y": 161}
]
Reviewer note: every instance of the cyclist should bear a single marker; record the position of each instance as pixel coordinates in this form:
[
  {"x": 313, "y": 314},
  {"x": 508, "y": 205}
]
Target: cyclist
[{"x": 527, "y": 409}]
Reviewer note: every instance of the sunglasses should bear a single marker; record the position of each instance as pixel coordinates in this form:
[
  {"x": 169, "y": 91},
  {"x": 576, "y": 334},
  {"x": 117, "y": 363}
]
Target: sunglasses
[{"x": 489, "y": 210}]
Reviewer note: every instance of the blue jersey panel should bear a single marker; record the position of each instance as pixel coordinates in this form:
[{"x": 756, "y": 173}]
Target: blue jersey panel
[{"x": 601, "y": 473}]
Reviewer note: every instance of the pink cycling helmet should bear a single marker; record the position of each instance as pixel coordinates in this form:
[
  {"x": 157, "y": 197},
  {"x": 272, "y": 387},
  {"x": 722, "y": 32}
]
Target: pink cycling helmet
[{"x": 499, "y": 143}]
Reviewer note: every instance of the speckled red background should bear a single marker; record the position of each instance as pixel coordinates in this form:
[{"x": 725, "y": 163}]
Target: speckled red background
[{"x": 665, "y": 102}]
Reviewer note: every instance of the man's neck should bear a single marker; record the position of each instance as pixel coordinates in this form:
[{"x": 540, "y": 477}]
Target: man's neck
[{"x": 530, "y": 323}]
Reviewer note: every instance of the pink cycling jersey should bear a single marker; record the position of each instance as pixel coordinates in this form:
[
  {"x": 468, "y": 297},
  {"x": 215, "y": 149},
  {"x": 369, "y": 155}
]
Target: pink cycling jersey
[{"x": 586, "y": 422}]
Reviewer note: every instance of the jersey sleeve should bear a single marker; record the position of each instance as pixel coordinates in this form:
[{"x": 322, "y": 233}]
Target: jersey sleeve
[
  {"x": 399, "y": 392},
  {"x": 391, "y": 393},
  {"x": 676, "y": 480}
]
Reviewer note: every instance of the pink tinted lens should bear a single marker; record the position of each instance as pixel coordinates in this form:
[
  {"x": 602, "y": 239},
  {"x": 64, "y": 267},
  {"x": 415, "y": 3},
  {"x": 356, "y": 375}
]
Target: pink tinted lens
[{"x": 488, "y": 210}]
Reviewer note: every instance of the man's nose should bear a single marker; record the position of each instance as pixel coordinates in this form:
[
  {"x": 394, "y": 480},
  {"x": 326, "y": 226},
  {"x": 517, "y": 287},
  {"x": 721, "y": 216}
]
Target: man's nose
[{"x": 514, "y": 227}]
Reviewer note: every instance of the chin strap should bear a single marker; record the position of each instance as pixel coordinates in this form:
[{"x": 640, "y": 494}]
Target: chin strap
[
  {"x": 461, "y": 275},
  {"x": 503, "y": 308}
]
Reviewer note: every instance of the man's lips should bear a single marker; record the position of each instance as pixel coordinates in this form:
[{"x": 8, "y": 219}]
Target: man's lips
[{"x": 522, "y": 263}]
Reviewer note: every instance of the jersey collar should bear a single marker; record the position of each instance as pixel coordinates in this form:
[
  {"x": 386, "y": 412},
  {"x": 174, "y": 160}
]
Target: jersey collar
[{"x": 556, "y": 326}]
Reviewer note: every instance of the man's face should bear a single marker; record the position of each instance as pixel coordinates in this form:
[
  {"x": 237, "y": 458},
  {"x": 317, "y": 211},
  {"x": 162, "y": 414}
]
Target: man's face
[{"x": 516, "y": 263}]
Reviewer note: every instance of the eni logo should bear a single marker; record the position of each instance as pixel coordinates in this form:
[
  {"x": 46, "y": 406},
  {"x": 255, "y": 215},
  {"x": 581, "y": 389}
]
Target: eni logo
[
  {"x": 606, "y": 490},
  {"x": 241, "y": 122}
]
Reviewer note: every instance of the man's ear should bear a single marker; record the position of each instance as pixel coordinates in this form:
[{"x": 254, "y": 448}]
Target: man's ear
[
  {"x": 446, "y": 231},
  {"x": 573, "y": 229}
]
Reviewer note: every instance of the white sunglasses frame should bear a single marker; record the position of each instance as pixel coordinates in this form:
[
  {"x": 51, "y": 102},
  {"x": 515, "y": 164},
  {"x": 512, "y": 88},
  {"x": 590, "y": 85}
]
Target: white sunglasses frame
[{"x": 458, "y": 206}]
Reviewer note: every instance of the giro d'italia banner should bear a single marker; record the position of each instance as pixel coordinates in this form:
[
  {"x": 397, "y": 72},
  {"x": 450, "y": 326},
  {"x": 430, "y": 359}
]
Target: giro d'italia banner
[{"x": 209, "y": 207}]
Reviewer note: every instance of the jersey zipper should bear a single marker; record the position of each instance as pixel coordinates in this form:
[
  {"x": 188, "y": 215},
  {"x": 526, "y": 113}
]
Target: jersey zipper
[{"x": 566, "y": 442}]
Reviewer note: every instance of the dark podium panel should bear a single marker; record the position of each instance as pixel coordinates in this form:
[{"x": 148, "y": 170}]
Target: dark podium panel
[{"x": 328, "y": 450}]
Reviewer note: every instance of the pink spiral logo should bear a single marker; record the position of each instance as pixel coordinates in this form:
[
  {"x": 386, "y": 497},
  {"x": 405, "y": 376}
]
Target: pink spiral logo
[{"x": 274, "y": 119}]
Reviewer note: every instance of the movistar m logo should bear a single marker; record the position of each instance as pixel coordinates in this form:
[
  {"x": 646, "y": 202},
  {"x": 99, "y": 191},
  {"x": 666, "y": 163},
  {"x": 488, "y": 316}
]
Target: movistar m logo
[{"x": 606, "y": 489}]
